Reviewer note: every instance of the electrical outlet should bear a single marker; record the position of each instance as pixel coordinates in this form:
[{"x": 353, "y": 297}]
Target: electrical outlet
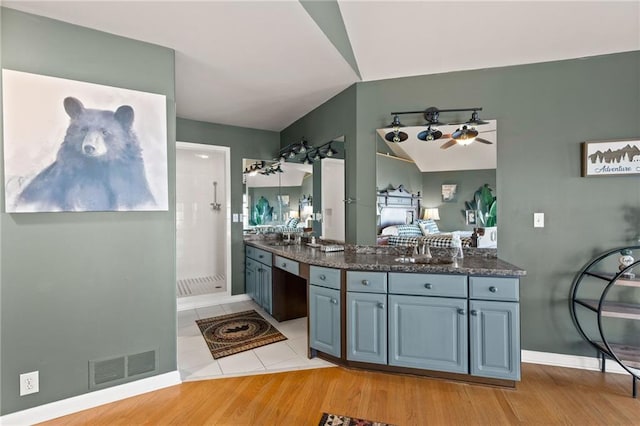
[
  {"x": 29, "y": 383},
  {"x": 538, "y": 220}
]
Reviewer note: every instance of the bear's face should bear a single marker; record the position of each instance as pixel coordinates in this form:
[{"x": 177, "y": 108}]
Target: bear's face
[{"x": 98, "y": 135}]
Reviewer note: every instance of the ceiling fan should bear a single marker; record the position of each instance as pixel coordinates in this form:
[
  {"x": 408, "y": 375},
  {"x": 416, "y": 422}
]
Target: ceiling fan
[{"x": 464, "y": 136}]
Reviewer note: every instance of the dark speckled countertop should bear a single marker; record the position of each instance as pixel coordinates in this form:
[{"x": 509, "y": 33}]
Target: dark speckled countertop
[{"x": 352, "y": 258}]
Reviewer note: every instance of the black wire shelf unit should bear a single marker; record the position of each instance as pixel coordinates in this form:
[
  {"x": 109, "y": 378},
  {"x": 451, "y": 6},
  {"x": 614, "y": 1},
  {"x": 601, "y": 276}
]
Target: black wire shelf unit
[{"x": 603, "y": 296}]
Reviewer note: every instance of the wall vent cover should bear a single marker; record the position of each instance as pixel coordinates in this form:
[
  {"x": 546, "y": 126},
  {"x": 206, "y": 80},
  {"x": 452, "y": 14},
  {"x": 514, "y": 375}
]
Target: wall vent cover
[
  {"x": 121, "y": 369},
  {"x": 107, "y": 370},
  {"x": 141, "y": 363}
]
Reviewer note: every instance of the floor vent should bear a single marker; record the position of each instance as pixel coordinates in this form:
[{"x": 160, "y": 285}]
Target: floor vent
[{"x": 122, "y": 369}]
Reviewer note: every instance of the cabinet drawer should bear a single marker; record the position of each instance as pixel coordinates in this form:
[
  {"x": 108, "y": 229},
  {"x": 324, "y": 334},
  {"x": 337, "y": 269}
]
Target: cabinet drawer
[
  {"x": 261, "y": 256},
  {"x": 367, "y": 282},
  {"x": 494, "y": 288},
  {"x": 288, "y": 265},
  {"x": 325, "y": 277},
  {"x": 428, "y": 284}
]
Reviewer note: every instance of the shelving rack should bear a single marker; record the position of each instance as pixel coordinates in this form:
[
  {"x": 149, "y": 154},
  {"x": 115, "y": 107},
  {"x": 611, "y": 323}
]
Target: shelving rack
[{"x": 601, "y": 268}]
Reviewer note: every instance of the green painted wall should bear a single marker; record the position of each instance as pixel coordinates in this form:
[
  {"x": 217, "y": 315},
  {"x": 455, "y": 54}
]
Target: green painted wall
[
  {"x": 244, "y": 143},
  {"x": 84, "y": 286},
  {"x": 543, "y": 111},
  {"x": 392, "y": 171},
  {"x": 331, "y": 120},
  {"x": 468, "y": 181}
]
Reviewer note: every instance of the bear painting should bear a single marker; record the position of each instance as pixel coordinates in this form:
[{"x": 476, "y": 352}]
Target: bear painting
[{"x": 98, "y": 167}]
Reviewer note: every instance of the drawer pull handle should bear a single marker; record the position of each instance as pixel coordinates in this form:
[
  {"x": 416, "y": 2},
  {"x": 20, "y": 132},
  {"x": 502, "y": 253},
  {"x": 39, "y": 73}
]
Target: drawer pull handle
[
  {"x": 473, "y": 312},
  {"x": 493, "y": 289},
  {"x": 461, "y": 311},
  {"x": 381, "y": 305},
  {"x": 365, "y": 282},
  {"x": 428, "y": 286},
  {"x": 284, "y": 265},
  {"x": 322, "y": 277},
  {"x": 334, "y": 301},
  {"x": 261, "y": 256}
]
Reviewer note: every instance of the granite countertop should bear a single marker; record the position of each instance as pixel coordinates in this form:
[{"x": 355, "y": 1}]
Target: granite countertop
[{"x": 353, "y": 259}]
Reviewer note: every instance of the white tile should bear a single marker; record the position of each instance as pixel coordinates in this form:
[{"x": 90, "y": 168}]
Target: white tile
[
  {"x": 293, "y": 329},
  {"x": 189, "y": 330},
  {"x": 275, "y": 353},
  {"x": 210, "y": 311},
  {"x": 243, "y": 362},
  {"x": 195, "y": 358},
  {"x": 232, "y": 308},
  {"x": 205, "y": 372},
  {"x": 186, "y": 318},
  {"x": 299, "y": 345},
  {"x": 191, "y": 343}
]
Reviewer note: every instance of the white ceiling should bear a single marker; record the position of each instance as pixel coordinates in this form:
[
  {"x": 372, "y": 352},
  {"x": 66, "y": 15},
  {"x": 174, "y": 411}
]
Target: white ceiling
[{"x": 264, "y": 64}]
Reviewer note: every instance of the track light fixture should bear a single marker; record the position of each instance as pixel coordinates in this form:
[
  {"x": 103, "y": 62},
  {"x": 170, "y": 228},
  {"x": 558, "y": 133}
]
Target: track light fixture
[
  {"x": 262, "y": 168},
  {"x": 464, "y": 135},
  {"x": 396, "y": 135},
  {"x": 306, "y": 153}
]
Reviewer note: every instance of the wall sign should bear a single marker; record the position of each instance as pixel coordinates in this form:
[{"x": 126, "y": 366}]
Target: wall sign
[{"x": 611, "y": 158}]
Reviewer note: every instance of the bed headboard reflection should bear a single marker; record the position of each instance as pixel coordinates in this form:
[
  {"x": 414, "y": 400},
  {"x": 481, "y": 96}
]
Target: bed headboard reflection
[{"x": 397, "y": 206}]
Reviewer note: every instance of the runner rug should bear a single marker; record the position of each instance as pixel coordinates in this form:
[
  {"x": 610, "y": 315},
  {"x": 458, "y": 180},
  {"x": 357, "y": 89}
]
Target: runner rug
[
  {"x": 337, "y": 420},
  {"x": 233, "y": 333}
]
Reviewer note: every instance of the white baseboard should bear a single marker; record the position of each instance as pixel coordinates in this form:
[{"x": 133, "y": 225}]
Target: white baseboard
[
  {"x": 85, "y": 401},
  {"x": 570, "y": 361},
  {"x": 195, "y": 302}
]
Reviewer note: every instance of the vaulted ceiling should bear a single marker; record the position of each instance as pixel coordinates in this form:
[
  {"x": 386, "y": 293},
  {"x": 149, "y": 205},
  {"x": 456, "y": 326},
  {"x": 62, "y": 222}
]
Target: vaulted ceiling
[{"x": 264, "y": 64}]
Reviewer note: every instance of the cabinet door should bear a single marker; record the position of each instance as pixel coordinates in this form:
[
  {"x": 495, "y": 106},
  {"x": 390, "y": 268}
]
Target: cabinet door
[
  {"x": 324, "y": 320},
  {"x": 250, "y": 279},
  {"x": 428, "y": 332},
  {"x": 495, "y": 339},
  {"x": 367, "y": 327},
  {"x": 266, "y": 289}
]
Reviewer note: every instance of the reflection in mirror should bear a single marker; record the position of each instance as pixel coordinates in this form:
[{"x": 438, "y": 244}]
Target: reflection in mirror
[
  {"x": 276, "y": 199},
  {"x": 446, "y": 177},
  {"x": 331, "y": 194}
]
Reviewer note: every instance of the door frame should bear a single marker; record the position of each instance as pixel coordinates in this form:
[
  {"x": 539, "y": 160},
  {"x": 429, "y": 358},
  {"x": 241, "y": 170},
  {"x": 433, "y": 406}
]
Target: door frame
[{"x": 184, "y": 303}]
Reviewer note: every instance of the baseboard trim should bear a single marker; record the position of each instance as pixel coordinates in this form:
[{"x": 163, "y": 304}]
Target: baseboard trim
[
  {"x": 85, "y": 401},
  {"x": 195, "y": 302},
  {"x": 570, "y": 361}
]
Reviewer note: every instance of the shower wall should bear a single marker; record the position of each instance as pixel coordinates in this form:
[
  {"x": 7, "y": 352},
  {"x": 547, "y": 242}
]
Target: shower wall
[{"x": 200, "y": 229}]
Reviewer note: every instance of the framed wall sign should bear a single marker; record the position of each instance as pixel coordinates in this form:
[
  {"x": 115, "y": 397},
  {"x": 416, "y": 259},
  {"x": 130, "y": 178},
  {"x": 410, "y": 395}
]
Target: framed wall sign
[{"x": 611, "y": 158}]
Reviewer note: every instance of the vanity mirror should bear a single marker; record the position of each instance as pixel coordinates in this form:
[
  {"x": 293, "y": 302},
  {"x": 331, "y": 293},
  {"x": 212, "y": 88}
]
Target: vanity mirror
[
  {"x": 275, "y": 193},
  {"x": 432, "y": 168}
]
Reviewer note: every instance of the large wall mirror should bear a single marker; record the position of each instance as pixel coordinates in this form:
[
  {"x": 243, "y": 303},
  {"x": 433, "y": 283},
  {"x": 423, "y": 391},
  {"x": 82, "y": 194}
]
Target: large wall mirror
[
  {"x": 277, "y": 192},
  {"x": 309, "y": 186},
  {"x": 448, "y": 178}
]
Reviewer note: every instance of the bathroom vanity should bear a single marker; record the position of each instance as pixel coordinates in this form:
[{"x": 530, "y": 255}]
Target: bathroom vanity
[{"x": 379, "y": 311}]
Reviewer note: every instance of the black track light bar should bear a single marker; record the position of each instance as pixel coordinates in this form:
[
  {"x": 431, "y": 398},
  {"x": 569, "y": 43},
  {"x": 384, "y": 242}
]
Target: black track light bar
[{"x": 432, "y": 109}]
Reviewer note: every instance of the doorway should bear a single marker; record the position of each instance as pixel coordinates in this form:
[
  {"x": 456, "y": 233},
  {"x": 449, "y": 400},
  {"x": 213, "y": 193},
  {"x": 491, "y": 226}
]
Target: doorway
[{"x": 203, "y": 228}]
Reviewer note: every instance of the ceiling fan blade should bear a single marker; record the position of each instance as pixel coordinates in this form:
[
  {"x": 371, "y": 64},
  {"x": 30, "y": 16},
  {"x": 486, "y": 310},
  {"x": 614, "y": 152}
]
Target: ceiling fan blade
[
  {"x": 484, "y": 141},
  {"x": 449, "y": 144}
]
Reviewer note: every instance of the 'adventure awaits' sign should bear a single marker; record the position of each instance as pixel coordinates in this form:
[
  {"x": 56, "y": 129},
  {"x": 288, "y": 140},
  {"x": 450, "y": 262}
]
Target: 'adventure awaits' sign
[{"x": 611, "y": 158}]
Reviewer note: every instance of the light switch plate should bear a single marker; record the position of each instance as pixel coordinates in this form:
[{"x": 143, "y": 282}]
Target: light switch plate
[
  {"x": 538, "y": 220},
  {"x": 235, "y": 217}
]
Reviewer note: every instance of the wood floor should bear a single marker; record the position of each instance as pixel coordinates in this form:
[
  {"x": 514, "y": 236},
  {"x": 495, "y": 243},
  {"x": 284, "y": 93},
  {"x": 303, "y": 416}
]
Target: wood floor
[{"x": 546, "y": 395}]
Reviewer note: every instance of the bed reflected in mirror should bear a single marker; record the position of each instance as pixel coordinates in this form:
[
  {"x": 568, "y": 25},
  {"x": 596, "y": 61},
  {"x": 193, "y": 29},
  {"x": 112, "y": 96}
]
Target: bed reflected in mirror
[{"x": 440, "y": 188}]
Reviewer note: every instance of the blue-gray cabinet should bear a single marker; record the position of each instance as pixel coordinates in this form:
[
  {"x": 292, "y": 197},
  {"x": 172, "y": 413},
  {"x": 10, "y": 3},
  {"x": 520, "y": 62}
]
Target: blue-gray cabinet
[
  {"x": 258, "y": 277},
  {"x": 428, "y": 332},
  {"x": 324, "y": 310},
  {"x": 494, "y": 324},
  {"x": 367, "y": 327}
]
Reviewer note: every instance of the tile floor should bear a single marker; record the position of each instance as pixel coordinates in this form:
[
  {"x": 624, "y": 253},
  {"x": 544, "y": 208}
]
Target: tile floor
[{"x": 196, "y": 363}]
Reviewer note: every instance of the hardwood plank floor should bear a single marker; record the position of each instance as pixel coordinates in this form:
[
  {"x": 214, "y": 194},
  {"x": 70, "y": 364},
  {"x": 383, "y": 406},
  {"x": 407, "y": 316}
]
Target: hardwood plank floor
[{"x": 546, "y": 395}]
